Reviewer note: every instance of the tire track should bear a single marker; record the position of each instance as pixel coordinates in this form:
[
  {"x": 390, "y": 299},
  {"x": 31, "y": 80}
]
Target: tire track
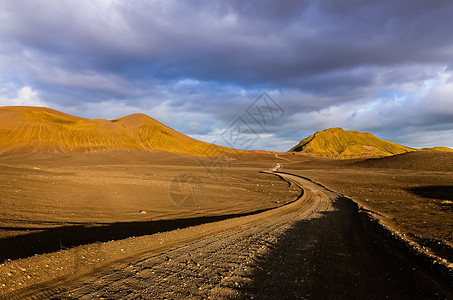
[
  {"x": 315, "y": 247},
  {"x": 216, "y": 265}
]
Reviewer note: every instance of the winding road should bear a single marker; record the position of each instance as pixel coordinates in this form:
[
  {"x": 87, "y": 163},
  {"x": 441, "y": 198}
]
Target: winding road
[{"x": 316, "y": 247}]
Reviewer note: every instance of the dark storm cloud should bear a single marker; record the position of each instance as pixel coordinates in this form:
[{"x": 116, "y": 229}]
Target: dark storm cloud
[
  {"x": 212, "y": 58},
  {"x": 267, "y": 42}
]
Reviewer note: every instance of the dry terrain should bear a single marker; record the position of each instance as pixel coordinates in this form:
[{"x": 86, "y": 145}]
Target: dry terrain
[
  {"x": 130, "y": 208},
  {"x": 103, "y": 224},
  {"x": 412, "y": 193},
  {"x": 52, "y": 202},
  {"x": 316, "y": 247}
]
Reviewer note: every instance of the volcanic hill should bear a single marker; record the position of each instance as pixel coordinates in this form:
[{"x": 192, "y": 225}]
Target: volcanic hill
[
  {"x": 438, "y": 149},
  {"x": 30, "y": 129},
  {"x": 339, "y": 143}
]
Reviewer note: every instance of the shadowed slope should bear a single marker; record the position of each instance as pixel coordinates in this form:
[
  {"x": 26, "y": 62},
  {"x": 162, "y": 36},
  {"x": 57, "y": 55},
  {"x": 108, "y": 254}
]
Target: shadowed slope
[
  {"x": 336, "y": 141},
  {"x": 419, "y": 160},
  {"x": 27, "y": 129}
]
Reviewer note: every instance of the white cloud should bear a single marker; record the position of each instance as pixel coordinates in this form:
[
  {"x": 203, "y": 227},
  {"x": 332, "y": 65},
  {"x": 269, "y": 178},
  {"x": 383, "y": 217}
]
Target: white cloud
[
  {"x": 438, "y": 99},
  {"x": 427, "y": 138},
  {"x": 26, "y": 96}
]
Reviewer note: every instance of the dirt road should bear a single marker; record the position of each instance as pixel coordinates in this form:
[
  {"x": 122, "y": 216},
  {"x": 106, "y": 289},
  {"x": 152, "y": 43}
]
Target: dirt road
[{"x": 316, "y": 247}]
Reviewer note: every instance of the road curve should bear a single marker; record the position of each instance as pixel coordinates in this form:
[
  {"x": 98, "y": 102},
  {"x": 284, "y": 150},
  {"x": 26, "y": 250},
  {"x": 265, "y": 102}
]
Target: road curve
[{"x": 316, "y": 247}]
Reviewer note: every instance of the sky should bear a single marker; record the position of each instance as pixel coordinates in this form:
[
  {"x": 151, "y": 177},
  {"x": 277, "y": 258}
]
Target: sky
[{"x": 281, "y": 69}]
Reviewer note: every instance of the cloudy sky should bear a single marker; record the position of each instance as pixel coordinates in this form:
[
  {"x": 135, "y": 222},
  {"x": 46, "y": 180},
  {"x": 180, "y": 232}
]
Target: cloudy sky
[{"x": 383, "y": 67}]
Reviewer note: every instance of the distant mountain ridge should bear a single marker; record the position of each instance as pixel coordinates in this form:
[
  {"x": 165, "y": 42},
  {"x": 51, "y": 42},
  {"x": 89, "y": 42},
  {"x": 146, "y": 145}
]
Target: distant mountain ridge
[
  {"x": 29, "y": 129},
  {"x": 336, "y": 142},
  {"x": 39, "y": 129},
  {"x": 441, "y": 149}
]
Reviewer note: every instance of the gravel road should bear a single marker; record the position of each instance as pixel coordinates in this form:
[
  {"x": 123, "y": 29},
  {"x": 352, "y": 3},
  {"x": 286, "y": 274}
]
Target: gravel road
[{"x": 316, "y": 247}]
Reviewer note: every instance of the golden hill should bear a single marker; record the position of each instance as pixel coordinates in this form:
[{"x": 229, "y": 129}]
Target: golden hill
[
  {"x": 339, "y": 143},
  {"x": 439, "y": 149},
  {"x": 29, "y": 129}
]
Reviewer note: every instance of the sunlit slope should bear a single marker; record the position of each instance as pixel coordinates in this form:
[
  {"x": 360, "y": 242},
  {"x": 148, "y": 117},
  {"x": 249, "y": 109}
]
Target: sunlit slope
[
  {"x": 154, "y": 135},
  {"x": 44, "y": 129},
  {"x": 441, "y": 149},
  {"x": 336, "y": 141}
]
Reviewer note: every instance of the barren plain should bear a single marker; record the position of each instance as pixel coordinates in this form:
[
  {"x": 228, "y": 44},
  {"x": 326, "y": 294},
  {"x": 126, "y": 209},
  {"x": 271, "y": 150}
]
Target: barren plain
[{"x": 108, "y": 224}]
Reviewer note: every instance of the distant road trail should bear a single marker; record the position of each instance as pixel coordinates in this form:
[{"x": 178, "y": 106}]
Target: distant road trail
[
  {"x": 279, "y": 157},
  {"x": 276, "y": 167},
  {"x": 313, "y": 248}
]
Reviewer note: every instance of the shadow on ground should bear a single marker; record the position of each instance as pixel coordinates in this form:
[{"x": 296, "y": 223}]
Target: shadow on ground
[
  {"x": 48, "y": 240},
  {"x": 440, "y": 192},
  {"x": 339, "y": 255}
]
